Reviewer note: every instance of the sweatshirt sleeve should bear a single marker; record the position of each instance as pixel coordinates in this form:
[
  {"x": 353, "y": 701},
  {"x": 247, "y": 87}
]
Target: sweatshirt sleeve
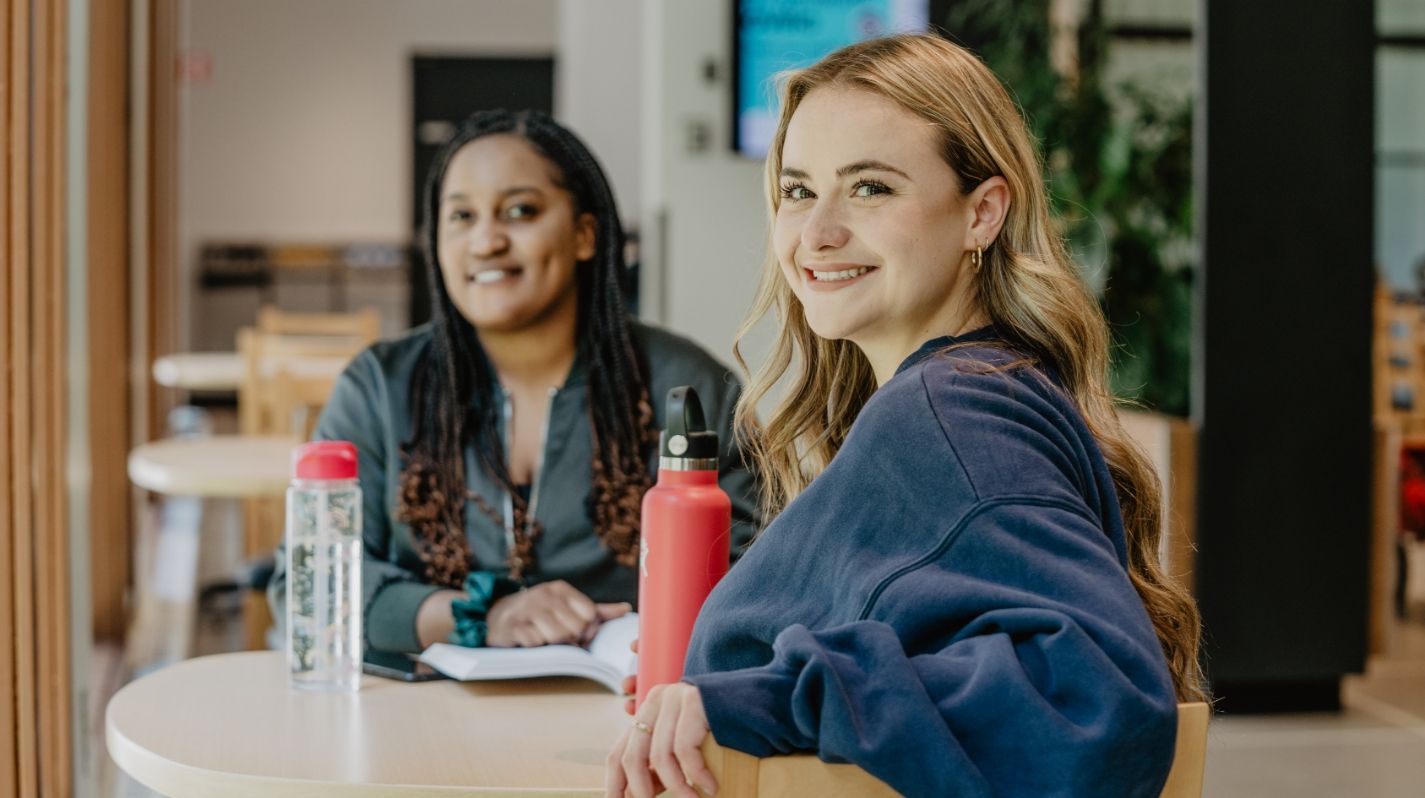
[
  {"x": 391, "y": 594},
  {"x": 1034, "y": 671}
]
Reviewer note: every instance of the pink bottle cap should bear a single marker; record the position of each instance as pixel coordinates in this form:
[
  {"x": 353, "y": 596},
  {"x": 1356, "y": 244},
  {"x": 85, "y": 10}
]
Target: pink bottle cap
[{"x": 324, "y": 460}]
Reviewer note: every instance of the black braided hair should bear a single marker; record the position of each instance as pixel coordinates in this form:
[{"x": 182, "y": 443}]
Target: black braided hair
[{"x": 453, "y": 391}]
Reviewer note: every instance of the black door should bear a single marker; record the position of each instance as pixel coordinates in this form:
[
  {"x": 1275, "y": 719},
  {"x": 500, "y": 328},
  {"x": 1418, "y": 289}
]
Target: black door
[{"x": 445, "y": 91}]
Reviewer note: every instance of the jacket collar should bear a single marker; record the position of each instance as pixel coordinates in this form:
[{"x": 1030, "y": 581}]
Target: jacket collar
[{"x": 986, "y": 333}]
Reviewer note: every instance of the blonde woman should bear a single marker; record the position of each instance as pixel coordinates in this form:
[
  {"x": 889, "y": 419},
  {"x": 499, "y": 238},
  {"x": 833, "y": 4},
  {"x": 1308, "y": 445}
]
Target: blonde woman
[{"x": 960, "y": 591}]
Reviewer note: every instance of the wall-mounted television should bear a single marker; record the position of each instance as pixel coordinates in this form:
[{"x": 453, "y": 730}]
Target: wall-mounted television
[{"x": 772, "y": 36}]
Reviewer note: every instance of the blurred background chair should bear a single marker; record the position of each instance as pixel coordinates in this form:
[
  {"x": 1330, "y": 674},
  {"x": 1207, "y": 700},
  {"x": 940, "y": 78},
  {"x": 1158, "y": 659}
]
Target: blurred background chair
[
  {"x": 364, "y": 325},
  {"x": 290, "y": 363},
  {"x": 304, "y": 345},
  {"x": 282, "y": 371}
]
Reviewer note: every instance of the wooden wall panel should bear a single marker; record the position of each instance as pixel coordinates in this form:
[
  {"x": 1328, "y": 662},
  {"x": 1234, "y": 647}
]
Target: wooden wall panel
[
  {"x": 10, "y": 103},
  {"x": 21, "y": 556},
  {"x": 108, "y": 291},
  {"x": 35, "y": 742},
  {"x": 53, "y": 618},
  {"x": 162, "y": 201}
]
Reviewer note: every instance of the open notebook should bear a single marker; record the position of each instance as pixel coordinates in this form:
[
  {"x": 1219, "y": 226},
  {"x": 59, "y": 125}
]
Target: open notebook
[{"x": 607, "y": 660}]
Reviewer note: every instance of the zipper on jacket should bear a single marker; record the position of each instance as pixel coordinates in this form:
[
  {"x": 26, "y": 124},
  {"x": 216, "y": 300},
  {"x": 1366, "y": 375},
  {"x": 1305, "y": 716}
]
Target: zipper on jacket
[
  {"x": 508, "y": 412},
  {"x": 538, "y": 478}
]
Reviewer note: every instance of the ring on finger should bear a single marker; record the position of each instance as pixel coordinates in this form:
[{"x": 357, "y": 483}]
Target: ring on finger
[{"x": 643, "y": 727}]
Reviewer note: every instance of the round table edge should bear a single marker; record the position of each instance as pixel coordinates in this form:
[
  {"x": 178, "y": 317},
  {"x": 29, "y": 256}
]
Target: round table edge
[
  {"x": 154, "y": 479},
  {"x": 179, "y": 780}
]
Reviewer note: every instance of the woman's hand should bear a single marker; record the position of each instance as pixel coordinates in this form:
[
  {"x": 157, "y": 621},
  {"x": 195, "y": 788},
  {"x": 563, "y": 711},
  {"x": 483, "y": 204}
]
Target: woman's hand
[
  {"x": 550, "y": 612},
  {"x": 630, "y": 683},
  {"x": 662, "y": 749}
]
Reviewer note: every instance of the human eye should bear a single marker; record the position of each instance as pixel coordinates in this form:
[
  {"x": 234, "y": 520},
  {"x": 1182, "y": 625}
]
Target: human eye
[
  {"x": 521, "y": 210},
  {"x": 458, "y": 214},
  {"x": 870, "y": 188},
  {"x": 796, "y": 191}
]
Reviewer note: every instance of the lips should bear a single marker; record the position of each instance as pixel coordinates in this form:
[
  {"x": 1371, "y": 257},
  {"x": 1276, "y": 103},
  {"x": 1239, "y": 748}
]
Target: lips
[
  {"x": 490, "y": 275},
  {"x": 828, "y": 276},
  {"x": 838, "y": 275}
]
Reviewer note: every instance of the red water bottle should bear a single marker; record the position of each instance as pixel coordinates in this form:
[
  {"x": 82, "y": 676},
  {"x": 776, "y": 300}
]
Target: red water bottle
[{"x": 687, "y": 523}]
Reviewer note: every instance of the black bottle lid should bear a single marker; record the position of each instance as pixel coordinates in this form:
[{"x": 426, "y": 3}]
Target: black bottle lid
[{"x": 687, "y": 436}]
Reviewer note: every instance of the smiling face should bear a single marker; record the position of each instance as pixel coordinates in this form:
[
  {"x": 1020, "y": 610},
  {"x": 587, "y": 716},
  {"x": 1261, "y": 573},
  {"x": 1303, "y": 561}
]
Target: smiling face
[
  {"x": 508, "y": 238},
  {"x": 872, "y": 231}
]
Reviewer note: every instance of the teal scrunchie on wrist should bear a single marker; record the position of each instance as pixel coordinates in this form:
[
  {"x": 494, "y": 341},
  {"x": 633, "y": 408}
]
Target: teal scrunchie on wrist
[{"x": 482, "y": 590}]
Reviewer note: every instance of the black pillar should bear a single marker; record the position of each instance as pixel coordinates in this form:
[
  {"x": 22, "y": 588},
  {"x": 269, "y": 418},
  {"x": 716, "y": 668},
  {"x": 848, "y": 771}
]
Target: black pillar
[{"x": 1285, "y": 177}]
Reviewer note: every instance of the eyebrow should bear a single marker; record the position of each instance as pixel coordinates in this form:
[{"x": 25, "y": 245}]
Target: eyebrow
[
  {"x": 505, "y": 193},
  {"x": 849, "y": 169}
]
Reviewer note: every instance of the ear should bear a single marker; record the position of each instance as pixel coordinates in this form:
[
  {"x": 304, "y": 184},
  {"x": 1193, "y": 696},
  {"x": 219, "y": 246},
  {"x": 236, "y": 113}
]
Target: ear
[
  {"x": 584, "y": 236},
  {"x": 989, "y": 207}
]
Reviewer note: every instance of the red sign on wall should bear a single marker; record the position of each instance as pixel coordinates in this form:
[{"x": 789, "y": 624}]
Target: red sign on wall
[{"x": 193, "y": 66}]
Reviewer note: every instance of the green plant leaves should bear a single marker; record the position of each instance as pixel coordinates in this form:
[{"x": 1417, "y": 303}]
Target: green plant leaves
[{"x": 1119, "y": 169}]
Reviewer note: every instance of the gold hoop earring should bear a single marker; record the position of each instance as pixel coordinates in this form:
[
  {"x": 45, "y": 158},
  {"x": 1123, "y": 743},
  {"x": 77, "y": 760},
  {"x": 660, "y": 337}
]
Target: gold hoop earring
[{"x": 977, "y": 259}]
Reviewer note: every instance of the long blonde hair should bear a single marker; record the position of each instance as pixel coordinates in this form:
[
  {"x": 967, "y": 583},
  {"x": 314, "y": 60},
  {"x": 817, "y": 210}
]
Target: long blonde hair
[{"x": 1027, "y": 286}]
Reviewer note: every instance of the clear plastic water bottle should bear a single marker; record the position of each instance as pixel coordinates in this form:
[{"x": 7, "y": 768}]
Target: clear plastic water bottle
[{"x": 324, "y": 637}]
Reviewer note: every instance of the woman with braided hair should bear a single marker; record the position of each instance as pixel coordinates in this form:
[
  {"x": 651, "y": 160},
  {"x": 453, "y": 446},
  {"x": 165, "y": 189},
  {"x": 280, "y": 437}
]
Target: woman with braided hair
[{"x": 505, "y": 446}]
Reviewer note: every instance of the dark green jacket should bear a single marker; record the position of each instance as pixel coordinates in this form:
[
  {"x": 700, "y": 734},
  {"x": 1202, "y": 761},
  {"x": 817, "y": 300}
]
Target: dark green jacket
[{"x": 370, "y": 406}]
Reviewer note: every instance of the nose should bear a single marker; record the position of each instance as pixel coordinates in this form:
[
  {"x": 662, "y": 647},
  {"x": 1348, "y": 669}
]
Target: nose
[
  {"x": 489, "y": 240},
  {"x": 824, "y": 228}
]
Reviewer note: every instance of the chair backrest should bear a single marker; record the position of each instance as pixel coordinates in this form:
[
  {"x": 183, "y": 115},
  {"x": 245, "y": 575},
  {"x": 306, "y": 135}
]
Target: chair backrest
[
  {"x": 364, "y": 324},
  {"x": 312, "y": 362},
  {"x": 286, "y": 381},
  {"x": 1190, "y": 755},
  {"x": 804, "y": 776},
  {"x": 740, "y": 775},
  {"x": 297, "y": 401}
]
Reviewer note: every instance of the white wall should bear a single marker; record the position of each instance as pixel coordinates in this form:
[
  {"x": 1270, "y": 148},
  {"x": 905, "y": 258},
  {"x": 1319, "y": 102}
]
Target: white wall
[
  {"x": 597, "y": 94},
  {"x": 704, "y": 214},
  {"x": 302, "y": 132}
]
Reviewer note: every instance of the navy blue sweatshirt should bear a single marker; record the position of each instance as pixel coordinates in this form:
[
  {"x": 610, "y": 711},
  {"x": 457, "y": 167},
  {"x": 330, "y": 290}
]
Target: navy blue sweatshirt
[{"x": 947, "y": 605}]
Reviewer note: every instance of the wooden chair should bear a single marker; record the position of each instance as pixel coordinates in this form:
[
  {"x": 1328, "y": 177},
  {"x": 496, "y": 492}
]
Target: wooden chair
[
  {"x": 364, "y": 325},
  {"x": 805, "y": 776},
  {"x": 266, "y": 355},
  {"x": 286, "y": 382},
  {"x": 297, "y": 401}
]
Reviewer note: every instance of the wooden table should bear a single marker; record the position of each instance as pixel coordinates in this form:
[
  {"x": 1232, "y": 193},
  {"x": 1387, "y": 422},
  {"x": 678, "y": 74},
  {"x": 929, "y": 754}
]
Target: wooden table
[
  {"x": 199, "y": 371},
  {"x": 229, "y": 725},
  {"x": 231, "y": 466},
  {"x": 223, "y": 371}
]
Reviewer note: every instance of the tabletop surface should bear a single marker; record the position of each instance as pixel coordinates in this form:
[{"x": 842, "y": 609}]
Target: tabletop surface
[
  {"x": 229, "y": 724},
  {"x": 215, "y": 465},
  {"x": 223, "y": 371},
  {"x": 199, "y": 371}
]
